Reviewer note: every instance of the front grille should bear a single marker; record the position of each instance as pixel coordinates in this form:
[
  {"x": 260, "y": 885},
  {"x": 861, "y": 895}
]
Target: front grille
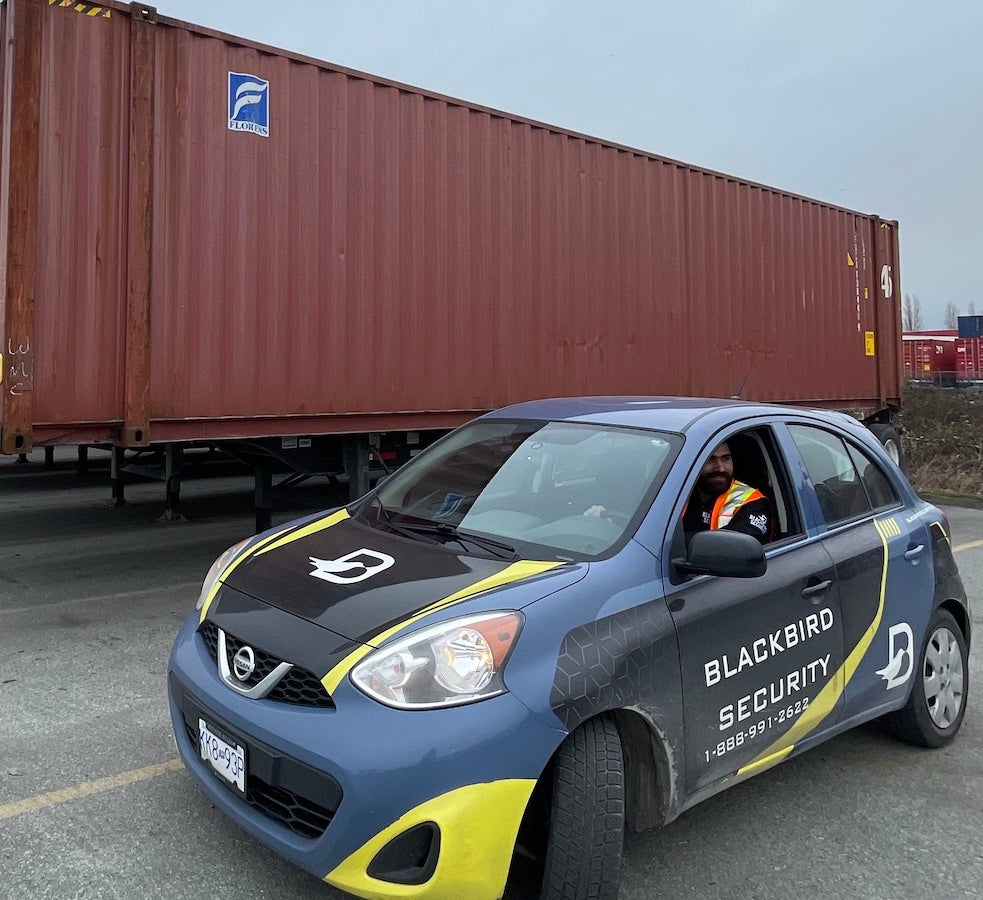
[
  {"x": 292, "y": 797},
  {"x": 299, "y": 687},
  {"x": 297, "y": 813}
]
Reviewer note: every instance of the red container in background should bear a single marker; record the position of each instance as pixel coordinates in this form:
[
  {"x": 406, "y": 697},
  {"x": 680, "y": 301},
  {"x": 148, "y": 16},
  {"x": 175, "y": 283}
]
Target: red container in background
[
  {"x": 382, "y": 258},
  {"x": 930, "y": 357},
  {"x": 969, "y": 360}
]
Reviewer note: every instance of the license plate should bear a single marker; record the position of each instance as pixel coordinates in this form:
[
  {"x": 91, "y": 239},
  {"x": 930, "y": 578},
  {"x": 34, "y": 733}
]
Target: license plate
[{"x": 229, "y": 760}]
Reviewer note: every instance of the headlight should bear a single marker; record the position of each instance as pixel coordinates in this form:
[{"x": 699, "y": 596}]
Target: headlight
[
  {"x": 218, "y": 567},
  {"x": 455, "y": 662}
]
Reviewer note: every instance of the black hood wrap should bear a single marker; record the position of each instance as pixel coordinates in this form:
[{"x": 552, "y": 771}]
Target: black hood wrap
[{"x": 356, "y": 582}]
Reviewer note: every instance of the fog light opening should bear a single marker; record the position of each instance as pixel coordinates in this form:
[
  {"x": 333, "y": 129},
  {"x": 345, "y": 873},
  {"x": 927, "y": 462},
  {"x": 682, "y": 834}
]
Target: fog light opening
[{"x": 409, "y": 858}]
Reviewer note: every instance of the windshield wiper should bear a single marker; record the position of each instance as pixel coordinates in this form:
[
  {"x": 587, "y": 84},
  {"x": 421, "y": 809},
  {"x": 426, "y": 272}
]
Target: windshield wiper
[
  {"x": 378, "y": 504},
  {"x": 499, "y": 548},
  {"x": 410, "y": 530},
  {"x": 451, "y": 532}
]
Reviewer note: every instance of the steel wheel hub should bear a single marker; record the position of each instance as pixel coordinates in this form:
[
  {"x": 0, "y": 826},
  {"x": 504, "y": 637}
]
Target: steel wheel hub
[{"x": 943, "y": 678}]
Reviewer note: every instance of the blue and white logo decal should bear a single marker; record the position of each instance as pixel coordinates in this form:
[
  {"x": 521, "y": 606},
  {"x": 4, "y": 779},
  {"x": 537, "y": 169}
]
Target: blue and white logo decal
[
  {"x": 249, "y": 104},
  {"x": 451, "y": 504}
]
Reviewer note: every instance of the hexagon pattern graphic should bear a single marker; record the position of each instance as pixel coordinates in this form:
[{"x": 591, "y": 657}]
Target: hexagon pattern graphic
[{"x": 611, "y": 663}]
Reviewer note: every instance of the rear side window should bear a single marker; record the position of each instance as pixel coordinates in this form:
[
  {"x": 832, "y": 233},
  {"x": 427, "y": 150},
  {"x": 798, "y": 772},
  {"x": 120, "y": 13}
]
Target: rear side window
[
  {"x": 880, "y": 491},
  {"x": 833, "y": 473}
]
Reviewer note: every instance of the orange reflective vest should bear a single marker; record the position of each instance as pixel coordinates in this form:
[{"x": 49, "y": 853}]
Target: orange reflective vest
[{"x": 730, "y": 501}]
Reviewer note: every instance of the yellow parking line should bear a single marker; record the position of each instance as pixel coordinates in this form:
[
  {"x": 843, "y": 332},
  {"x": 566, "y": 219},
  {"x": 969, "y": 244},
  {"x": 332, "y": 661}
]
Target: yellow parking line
[
  {"x": 968, "y": 546},
  {"x": 122, "y": 595},
  {"x": 87, "y": 789}
]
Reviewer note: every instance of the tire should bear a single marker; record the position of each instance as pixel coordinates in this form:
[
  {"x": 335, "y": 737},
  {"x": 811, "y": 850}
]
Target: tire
[
  {"x": 937, "y": 703},
  {"x": 587, "y": 815},
  {"x": 890, "y": 439}
]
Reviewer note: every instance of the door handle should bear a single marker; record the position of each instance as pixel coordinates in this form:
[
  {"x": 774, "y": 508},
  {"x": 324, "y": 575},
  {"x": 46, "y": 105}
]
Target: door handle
[
  {"x": 914, "y": 551},
  {"x": 814, "y": 589}
]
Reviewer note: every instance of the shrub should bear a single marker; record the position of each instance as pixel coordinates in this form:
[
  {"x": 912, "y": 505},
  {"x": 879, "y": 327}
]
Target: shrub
[{"x": 943, "y": 439}]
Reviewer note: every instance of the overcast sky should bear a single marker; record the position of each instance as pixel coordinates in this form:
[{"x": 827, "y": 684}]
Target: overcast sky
[{"x": 876, "y": 106}]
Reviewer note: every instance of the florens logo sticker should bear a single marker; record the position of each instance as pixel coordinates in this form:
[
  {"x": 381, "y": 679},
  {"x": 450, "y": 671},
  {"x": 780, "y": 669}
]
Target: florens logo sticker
[
  {"x": 901, "y": 656},
  {"x": 249, "y": 103},
  {"x": 451, "y": 504},
  {"x": 355, "y": 566}
]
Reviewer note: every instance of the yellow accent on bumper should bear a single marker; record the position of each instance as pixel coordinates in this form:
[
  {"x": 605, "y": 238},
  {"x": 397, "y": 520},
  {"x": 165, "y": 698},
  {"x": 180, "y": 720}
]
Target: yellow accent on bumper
[
  {"x": 515, "y": 572},
  {"x": 478, "y": 827}
]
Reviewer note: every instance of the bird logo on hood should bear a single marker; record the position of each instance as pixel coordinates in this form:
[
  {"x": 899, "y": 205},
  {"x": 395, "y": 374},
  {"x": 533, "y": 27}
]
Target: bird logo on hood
[{"x": 352, "y": 567}]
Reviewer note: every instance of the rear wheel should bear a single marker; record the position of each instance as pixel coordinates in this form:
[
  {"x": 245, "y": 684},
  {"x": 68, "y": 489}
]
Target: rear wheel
[
  {"x": 935, "y": 709},
  {"x": 890, "y": 438},
  {"x": 587, "y": 815}
]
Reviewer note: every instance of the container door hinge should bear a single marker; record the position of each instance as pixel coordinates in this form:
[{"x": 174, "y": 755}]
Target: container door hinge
[{"x": 144, "y": 13}]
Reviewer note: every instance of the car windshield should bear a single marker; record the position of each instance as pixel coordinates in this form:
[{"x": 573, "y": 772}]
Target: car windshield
[{"x": 570, "y": 487}]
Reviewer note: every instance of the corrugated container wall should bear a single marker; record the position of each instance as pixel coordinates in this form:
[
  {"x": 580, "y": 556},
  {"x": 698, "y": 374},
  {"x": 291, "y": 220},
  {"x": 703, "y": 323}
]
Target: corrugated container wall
[
  {"x": 385, "y": 257},
  {"x": 969, "y": 359},
  {"x": 930, "y": 358}
]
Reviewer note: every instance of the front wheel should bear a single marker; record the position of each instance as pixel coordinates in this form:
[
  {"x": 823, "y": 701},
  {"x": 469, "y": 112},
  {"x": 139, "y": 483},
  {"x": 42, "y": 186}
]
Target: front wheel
[
  {"x": 587, "y": 815},
  {"x": 937, "y": 704}
]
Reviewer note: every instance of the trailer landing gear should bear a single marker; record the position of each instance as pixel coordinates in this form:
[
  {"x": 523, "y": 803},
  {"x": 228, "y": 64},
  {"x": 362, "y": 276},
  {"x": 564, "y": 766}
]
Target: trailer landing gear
[{"x": 173, "y": 456}]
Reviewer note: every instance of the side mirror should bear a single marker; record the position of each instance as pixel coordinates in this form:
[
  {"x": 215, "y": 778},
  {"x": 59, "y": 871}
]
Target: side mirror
[{"x": 727, "y": 554}]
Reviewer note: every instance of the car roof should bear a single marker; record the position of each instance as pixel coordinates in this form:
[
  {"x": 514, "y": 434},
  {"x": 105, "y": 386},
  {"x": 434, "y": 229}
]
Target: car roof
[{"x": 663, "y": 413}]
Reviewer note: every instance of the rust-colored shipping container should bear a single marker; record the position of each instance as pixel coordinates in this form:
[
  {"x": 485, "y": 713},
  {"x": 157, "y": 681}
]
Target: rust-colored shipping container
[
  {"x": 204, "y": 239},
  {"x": 969, "y": 360},
  {"x": 930, "y": 357}
]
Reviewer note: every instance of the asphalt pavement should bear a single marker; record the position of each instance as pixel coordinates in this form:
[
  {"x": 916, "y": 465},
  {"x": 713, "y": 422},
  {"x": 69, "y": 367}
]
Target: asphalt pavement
[{"x": 94, "y": 804}]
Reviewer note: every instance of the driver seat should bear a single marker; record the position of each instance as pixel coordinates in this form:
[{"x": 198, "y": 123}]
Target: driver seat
[{"x": 750, "y": 467}]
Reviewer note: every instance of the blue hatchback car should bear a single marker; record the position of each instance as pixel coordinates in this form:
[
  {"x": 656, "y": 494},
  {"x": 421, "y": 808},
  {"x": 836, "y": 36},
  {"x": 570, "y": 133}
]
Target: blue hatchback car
[{"x": 541, "y": 632}]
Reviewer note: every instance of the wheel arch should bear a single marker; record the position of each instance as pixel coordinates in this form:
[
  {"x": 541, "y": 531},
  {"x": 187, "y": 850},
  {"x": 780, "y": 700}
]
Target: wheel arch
[
  {"x": 650, "y": 778},
  {"x": 651, "y": 797},
  {"x": 960, "y": 613}
]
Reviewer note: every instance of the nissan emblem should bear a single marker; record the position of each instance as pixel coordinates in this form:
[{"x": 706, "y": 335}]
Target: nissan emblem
[{"x": 244, "y": 663}]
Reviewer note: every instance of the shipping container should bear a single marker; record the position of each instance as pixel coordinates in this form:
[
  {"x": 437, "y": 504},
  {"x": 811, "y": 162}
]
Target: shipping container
[
  {"x": 942, "y": 357},
  {"x": 970, "y": 326},
  {"x": 969, "y": 361},
  {"x": 930, "y": 357},
  {"x": 207, "y": 239}
]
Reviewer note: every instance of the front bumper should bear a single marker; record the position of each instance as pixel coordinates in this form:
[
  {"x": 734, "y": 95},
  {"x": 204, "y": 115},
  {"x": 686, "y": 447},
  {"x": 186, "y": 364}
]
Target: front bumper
[{"x": 329, "y": 788}]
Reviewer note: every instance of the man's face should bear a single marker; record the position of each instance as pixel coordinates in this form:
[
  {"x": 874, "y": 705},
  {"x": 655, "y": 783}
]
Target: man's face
[{"x": 717, "y": 472}]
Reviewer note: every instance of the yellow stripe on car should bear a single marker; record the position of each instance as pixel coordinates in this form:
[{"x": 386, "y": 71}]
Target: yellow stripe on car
[
  {"x": 509, "y": 575},
  {"x": 307, "y": 530},
  {"x": 270, "y": 542},
  {"x": 828, "y": 697},
  {"x": 939, "y": 526},
  {"x": 478, "y": 826},
  {"x": 248, "y": 553}
]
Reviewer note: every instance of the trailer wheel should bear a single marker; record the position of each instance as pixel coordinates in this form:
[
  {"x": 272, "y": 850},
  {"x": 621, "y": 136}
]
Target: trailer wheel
[
  {"x": 890, "y": 437},
  {"x": 587, "y": 818}
]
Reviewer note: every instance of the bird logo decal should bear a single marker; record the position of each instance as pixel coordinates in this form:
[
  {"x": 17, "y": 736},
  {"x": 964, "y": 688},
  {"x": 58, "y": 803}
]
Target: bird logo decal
[
  {"x": 900, "y": 656},
  {"x": 352, "y": 567}
]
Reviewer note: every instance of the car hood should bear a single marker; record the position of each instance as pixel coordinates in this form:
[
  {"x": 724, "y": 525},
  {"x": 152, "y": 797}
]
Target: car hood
[{"x": 361, "y": 582}]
